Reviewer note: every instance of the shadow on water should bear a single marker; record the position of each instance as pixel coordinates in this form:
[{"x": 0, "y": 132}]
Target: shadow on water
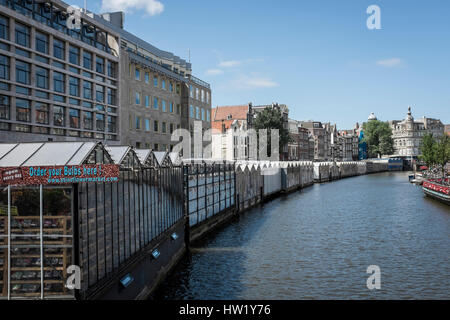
[{"x": 318, "y": 243}]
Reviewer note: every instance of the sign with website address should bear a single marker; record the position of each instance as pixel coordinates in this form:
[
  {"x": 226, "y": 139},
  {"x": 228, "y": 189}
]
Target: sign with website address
[{"x": 55, "y": 175}]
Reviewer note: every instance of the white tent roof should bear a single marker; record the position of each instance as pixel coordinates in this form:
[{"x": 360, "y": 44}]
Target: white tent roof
[
  {"x": 143, "y": 154},
  {"x": 117, "y": 153},
  {"x": 44, "y": 153}
]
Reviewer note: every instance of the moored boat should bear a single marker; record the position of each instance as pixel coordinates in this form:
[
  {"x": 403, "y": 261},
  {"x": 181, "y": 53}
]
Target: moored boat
[{"x": 437, "y": 190}]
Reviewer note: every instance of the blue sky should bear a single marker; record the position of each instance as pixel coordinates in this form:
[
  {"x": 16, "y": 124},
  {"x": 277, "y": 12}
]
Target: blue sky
[{"x": 318, "y": 57}]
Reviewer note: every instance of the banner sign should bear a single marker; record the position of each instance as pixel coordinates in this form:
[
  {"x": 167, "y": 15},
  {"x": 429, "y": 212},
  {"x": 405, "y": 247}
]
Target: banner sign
[{"x": 55, "y": 175}]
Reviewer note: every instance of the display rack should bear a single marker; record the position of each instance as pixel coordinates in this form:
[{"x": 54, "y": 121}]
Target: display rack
[{"x": 26, "y": 258}]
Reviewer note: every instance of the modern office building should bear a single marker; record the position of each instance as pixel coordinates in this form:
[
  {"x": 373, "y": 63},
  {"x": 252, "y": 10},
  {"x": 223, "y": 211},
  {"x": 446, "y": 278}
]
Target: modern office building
[
  {"x": 57, "y": 83},
  {"x": 95, "y": 81}
]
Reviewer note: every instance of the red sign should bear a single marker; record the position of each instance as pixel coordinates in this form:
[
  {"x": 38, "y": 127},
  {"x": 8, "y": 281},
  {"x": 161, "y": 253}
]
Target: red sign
[{"x": 54, "y": 175}]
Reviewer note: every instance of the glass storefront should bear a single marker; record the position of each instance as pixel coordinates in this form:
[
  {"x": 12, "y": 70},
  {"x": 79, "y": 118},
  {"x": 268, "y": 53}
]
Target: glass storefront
[{"x": 36, "y": 241}]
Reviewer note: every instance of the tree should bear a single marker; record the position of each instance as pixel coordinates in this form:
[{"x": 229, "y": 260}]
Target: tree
[
  {"x": 378, "y": 136},
  {"x": 271, "y": 118},
  {"x": 427, "y": 150},
  {"x": 442, "y": 152}
]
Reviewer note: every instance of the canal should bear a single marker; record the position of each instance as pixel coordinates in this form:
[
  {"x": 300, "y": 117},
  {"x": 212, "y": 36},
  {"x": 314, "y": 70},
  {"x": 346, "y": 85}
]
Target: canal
[{"x": 318, "y": 243}]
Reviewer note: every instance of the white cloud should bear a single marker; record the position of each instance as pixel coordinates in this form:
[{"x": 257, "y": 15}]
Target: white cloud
[
  {"x": 230, "y": 63},
  {"x": 152, "y": 7},
  {"x": 254, "y": 82},
  {"x": 213, "y": 72},
  {"x": 390, "y": 63}
]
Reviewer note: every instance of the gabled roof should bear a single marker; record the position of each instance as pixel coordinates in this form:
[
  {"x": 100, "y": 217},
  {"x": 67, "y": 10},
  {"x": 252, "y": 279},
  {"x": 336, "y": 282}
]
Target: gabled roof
[
  {"x": 118, "y": 153},
  {"x": 236, "y": 112},
  {"x": 45, "y": 153},
  {"x": 162, "y": 158}
]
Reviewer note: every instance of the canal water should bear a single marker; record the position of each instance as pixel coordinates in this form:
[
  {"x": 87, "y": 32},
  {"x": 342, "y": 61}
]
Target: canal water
[{"x": 318, "y": 243}]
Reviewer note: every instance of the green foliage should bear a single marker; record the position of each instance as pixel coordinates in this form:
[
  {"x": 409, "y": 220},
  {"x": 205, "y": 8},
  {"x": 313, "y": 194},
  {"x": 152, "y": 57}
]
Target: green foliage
[
  {"x": 378, "y": 136},
  {"x": 427, "y": 150},
  {"x": 442, "y": 151},
  {"x": 272, "y": 118}
]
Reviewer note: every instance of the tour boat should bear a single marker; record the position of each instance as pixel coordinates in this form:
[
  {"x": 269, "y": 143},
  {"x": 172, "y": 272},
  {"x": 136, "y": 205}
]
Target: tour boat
[{"x": 435, "y": 189}]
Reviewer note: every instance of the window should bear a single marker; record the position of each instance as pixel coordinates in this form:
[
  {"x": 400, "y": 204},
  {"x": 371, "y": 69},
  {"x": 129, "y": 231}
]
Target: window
[
  {"x": 191, "y": 91},
  {"x": 147, "y": 124},
  {"x": 58, "y": 82},
  {"x": 100, "y": 65},
  {"x": 74, "y": 86},
  {"x": 147, "y": 77},
  {"x": 203, "y": 114},
  {"x": 203, "y": 95},
  {"x": 208, "y": 115},
  {"x": 163, "y": 105},
  {"x": 87, "y": 60},
  {"x": 171, "y": 107},
  {"x": 155, "y": 103},
  {"x": 23, "y": 110},
  {"x": 74, "y": 55},
  {"x": 41, "y": 77},
  {"x": 99, "y": 93},
  {"x": 155, "y": 126},
  {"x": 111, "y": 69},
  {"x": 163, "y": 84},
  {"x": 100, "y": 122},
  {"x": 171, "y": 128},
  {"x": 87, "y": 90},
  {"x": 22, "y": 35},
  {"x": 111, "y": 96},
  {"x": 58, "y": 116},
  {"x": 74, "y": 118},
  {"x": 196, "y": 93},
  {"x": 137, "y": 98},
  {"x": 197, "y": 112},
  {"x": 164, "y": 127},
  {"x": 22, "y": 72},
  {"x": 207, "y": 97},
  {"x": 178, "y": 89},
  {"x": 137, "y": 74},
  {"x": 111, "y": 124},
  {"x": 4, "y": 28},
  {"x": 147, "y": 101},
  {"x": 138, "y": 123},
  {"x": 4, "y": 107},
  {"x": 156, "y": 146},
  {"x": 4, "y": 67},
  {"x": 155, "y": 81},
  {"x": 171, "y": 86},
  {"x": 87, "y": 120},
  {"x": 191, "y": 111},
  {"x": 178, "y": 109},
  {"x": 58, "y": 49},
  {"x": 41, "y": 42},
  {"x": 41, "y": 112}
]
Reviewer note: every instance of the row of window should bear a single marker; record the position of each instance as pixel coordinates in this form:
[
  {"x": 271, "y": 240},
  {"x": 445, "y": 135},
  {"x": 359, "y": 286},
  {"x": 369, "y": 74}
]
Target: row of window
[
  {"x": 158, "y": 104},
  {"x": 23, "y": 76},
  {"x": 199, "y": 113},
  {"x": 141, "y": 123},
  {"x": 169, "y": 85},
  {"x": 156, "y": 146},
  {"x": 23, "y": 36},
  {"x": 199, "y": 94},
  {"x": 42, "y": 115}
]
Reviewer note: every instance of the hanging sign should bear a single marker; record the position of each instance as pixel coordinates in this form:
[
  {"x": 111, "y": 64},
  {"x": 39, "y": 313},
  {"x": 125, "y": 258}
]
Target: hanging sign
[{"x": 55, "y": 175}]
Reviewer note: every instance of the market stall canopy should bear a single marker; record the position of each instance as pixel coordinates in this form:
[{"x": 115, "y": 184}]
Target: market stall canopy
[
  {"x": 52, "y": 154},
  {"x": 124, "y": 156},
  {"x": 146, "y": 157},
  {"x": 162, "y": 158}
]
